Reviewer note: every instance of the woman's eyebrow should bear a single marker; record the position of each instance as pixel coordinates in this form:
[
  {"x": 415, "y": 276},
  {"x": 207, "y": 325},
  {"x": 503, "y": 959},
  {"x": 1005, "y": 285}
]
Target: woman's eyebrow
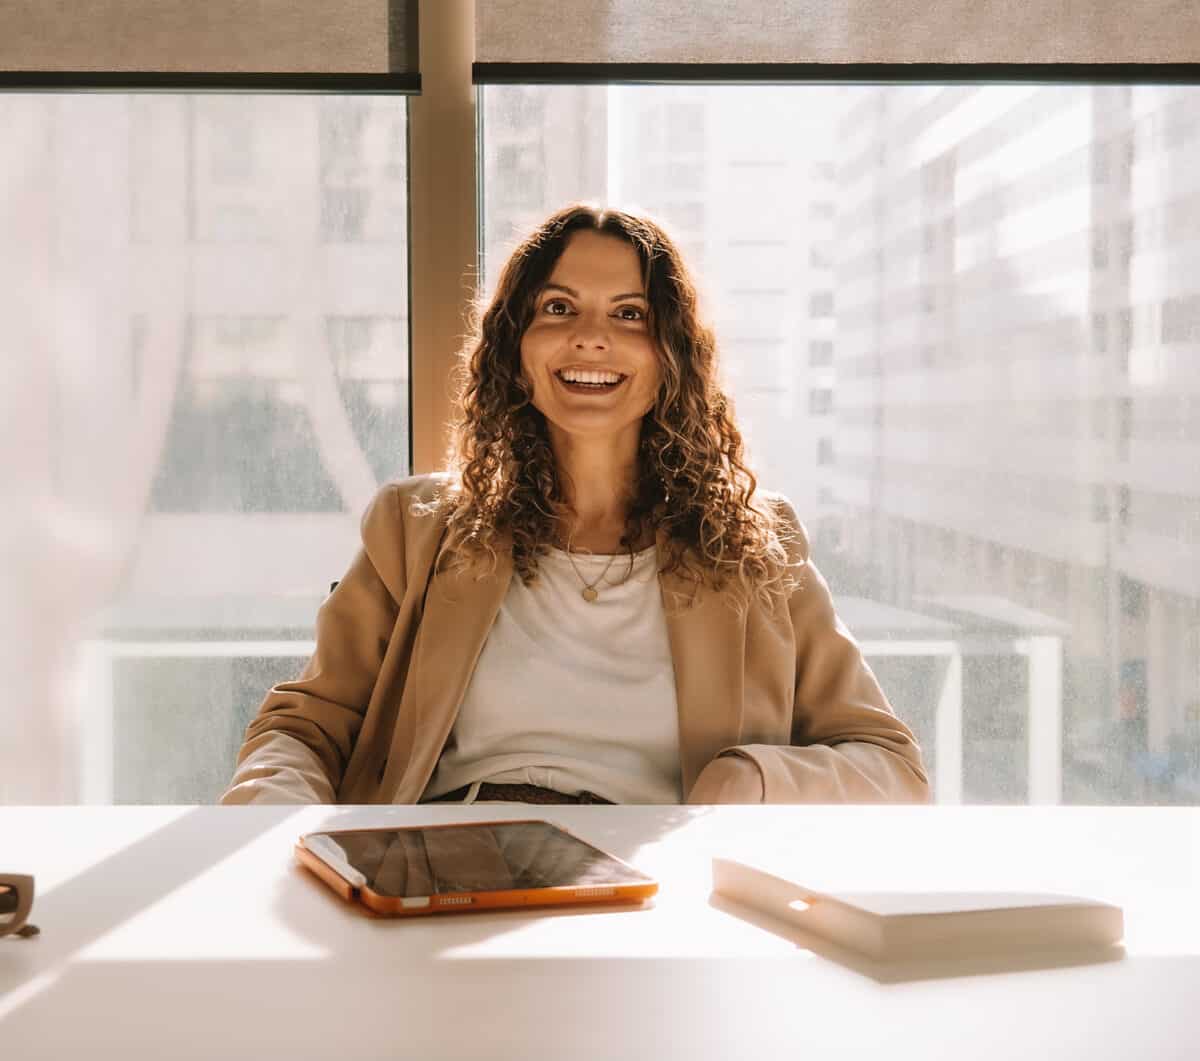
[{"x": 575, "y": 294}]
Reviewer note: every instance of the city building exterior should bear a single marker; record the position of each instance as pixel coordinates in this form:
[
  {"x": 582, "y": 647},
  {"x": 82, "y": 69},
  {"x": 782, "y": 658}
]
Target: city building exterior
[{"x": 1017, "y": 387}]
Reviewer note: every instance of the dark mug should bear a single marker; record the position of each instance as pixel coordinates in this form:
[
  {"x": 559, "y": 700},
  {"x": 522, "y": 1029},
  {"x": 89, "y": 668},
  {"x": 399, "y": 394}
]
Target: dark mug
[{"x": 16, "y": 900}]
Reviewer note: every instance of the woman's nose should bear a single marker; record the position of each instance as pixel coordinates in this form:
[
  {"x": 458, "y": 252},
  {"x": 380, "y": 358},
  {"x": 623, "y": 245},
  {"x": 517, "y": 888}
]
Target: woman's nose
[{"x": 591, "y": 332}]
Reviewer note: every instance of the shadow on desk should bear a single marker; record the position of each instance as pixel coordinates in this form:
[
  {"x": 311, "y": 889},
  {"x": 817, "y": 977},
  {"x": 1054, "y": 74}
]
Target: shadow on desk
[
  {"x": 924, "y": 968},
  {"x": 103, "y": 896}
]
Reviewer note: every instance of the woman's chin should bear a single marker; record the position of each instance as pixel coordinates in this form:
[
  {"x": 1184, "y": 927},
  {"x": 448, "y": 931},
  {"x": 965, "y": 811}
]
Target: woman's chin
[{"x": 594, "y": 423}]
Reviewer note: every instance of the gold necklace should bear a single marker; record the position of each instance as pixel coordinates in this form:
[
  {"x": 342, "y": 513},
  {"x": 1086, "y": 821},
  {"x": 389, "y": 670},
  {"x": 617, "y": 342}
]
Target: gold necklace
[{"x": 588, "y": 592}]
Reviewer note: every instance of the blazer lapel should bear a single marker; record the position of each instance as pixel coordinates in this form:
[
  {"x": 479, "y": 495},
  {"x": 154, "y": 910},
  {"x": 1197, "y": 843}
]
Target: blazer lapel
[
  {"x": 707, "y": 643},
  {"x": 460, "y": 609}
]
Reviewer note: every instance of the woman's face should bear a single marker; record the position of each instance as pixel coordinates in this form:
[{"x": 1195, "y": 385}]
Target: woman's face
[{"x": 588, "y": 351}]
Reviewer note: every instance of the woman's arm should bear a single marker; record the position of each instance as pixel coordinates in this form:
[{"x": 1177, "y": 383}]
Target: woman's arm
[
  {"x": 297, "y": 746},
  {"x": 276, "y": 768},
  {"x": 847, "y": 746}
]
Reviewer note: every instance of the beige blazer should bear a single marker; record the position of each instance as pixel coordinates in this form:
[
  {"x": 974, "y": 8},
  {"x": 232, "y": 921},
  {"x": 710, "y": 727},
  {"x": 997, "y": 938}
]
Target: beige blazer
[{"x": 786, "y": 689}]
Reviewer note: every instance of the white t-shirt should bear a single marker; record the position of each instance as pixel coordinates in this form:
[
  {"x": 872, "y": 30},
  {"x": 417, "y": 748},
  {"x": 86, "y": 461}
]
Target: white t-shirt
[{"x": 572, "y": 695}]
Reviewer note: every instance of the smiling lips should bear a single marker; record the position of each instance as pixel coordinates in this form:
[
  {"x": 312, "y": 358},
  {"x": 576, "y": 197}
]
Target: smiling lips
[{"x": 582, "y": 381}]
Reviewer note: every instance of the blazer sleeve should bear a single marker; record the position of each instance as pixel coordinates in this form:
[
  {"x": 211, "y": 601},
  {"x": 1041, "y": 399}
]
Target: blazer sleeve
[
  {"x": 297, "y": 746},
  {"x": 847, "y": 745}
]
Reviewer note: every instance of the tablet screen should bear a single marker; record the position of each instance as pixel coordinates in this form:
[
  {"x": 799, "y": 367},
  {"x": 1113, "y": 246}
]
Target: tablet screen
[{"x": 500, "y": 856}]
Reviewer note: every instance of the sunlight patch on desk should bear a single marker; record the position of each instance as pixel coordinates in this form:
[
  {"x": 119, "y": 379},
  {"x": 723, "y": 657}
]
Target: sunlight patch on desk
[
  {"x": 1153, "y": 927},
  {"x": 57, "y": 864}
]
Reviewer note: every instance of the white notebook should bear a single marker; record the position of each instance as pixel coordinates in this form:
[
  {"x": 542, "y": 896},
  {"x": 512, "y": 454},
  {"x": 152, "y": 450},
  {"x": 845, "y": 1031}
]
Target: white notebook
[{"x": 887, "y": 926}]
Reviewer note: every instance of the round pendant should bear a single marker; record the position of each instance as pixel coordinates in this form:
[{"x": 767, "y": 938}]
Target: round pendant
[{"x": 589, "y": 594}]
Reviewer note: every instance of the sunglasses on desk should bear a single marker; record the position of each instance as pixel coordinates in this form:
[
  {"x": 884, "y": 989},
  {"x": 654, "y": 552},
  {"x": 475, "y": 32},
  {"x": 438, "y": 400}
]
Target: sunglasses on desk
[{"x": 16, "y": 900}]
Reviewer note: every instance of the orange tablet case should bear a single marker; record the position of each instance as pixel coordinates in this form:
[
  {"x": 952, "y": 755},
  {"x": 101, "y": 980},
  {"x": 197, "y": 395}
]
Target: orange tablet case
[{"x": 351, "y": 886}]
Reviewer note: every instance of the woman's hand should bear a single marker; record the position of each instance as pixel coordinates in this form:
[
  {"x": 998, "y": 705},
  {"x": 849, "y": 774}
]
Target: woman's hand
[{"x": 730, "y": 778}]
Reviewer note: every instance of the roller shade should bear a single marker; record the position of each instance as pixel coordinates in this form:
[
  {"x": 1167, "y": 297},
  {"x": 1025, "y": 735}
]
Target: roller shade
[
  {"x": 760, "y": 39},
  {"x": 275, "y": 45}
]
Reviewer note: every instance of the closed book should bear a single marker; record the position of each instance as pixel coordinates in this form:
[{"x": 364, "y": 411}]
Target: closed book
[{"x": 893, "y": 925}]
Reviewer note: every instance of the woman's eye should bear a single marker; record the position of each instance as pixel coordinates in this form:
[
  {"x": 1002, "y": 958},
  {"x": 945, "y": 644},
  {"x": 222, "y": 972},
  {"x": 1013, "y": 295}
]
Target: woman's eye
[
  {"x": 556, "y": 302},
  {"x": 631, "y": 313}
]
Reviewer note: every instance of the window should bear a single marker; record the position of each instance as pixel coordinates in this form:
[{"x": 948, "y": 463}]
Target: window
[
  {"x": 820, "y": 304},
  {"x": 215, "y": 327},
  {"x": 820, "y": 353},
  {"x": 957, "y": 290},
  {"x": 1181, "y": 319},
  {"x": 1133, "y": 598},
  {"x": 820, "y": 401},
  {"x": 228, "y": 387},
  {"x": 1124, "y": 426}
]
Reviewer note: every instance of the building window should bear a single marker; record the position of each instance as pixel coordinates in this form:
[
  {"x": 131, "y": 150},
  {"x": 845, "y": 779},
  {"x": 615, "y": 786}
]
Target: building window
[
  {"x": 1099, "y": 333},
  {"x": 1133, "y": 598},
  {"x": 820, "y": 353},
  {"x": 820, "y": 401},
  {"x": 1181, "y": 319},
  {"x": 820, "y": 304}
]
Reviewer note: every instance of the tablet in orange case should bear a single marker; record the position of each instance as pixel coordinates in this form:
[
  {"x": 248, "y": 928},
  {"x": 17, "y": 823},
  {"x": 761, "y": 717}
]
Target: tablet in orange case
[{"x": 460, "y": 867}]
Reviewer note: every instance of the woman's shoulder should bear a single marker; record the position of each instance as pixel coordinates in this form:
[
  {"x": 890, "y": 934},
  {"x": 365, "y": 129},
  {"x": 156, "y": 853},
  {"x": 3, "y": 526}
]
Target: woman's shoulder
[
  {"x": 407, "y": 507},
  {"x": 788, "y": 525},
  {"x": 401, "y": 528},
  {"x": 423, "y": 489},
  {"x": 399, "y": 496}
]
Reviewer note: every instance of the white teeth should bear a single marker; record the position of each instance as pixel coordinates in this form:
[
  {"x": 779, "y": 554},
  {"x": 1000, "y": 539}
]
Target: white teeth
[{"x": 574, "y": 375}]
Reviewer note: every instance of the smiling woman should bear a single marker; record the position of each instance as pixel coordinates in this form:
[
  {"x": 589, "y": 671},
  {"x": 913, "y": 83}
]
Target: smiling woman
[
  {"x": 592, "y": 363},
  {"x": 478, "y": 648}
]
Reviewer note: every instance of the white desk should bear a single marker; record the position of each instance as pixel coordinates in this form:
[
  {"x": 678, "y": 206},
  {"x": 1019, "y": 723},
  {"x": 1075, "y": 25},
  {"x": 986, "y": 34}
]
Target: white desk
[{"x": 190, "y": 933}]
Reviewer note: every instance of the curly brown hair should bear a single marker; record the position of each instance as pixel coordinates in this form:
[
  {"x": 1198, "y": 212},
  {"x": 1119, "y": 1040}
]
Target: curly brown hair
[{"x": 692, "y": 481}]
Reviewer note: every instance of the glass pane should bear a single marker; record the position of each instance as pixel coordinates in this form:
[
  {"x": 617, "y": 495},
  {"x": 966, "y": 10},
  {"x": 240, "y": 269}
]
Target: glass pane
[
  {"x": 961, "y": 331},
  {"x": 209, "y": 296}
]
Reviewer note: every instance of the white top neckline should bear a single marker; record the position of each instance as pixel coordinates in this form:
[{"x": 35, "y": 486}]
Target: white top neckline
[{"x": 640, "y": 554}]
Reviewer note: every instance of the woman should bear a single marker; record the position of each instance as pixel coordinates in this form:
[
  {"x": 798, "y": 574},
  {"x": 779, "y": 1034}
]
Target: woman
[{"x": 596, "y": 604}]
